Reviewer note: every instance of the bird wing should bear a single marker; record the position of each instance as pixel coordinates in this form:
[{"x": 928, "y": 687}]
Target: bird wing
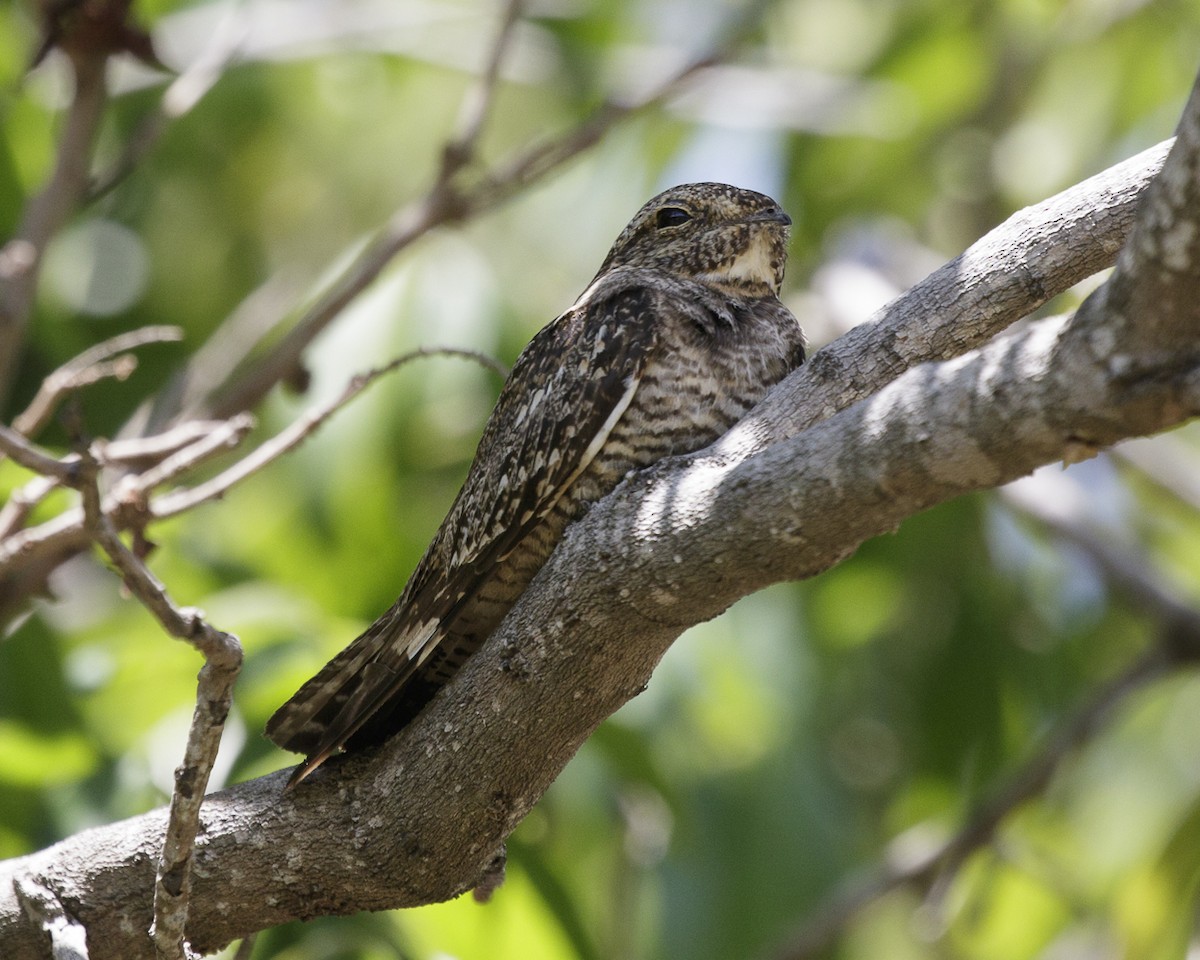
[{"x": 566, "y": 392}]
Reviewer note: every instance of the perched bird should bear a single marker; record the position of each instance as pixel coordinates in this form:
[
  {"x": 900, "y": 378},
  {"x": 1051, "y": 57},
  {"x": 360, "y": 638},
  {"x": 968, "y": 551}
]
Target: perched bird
[{"x": 680, "y": 333}]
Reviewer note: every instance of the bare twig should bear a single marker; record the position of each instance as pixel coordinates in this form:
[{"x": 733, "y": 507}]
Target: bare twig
[
  {"x": 933, "y": 870},
  {"x": 33, "y": 458},
  {"x": 153, "y": 448},
  {"x": 226, "y": 436},
  {"x": 203, "y": 437},
  {"x": 1178, "y": 642},
  {"x": 171, "y": 504},
  {"x": 180, "y": 459},
  {"x": 238, "y": 335},
  {"x": 21, "y": 257},
  {"x": 95, "y": 363},
  {"x": 21, "y": 503},
  {"x": 446, "y": 203},
  {"x": 27, "y": 556},
  {"x": 477, "y": 104},
  {"x": 180, "y": 96},
  {"x": 223, "y": 660}
]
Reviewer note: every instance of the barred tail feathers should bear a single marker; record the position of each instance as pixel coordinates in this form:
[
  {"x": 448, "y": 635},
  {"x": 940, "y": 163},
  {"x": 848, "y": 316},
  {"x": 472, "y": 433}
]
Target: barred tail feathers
[{"x": 355, "y": 685}]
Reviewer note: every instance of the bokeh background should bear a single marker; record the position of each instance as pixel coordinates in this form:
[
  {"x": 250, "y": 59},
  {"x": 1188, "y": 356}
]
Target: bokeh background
[{"x": 816, "y": 733}]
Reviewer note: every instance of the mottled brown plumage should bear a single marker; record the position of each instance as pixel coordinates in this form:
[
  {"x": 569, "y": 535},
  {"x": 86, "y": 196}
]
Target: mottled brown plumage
[{"x": 678, "y": 335}]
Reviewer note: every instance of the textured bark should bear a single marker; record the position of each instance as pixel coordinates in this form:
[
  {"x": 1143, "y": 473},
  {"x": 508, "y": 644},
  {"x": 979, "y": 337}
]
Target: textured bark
[{"x": 788, "y": 494}]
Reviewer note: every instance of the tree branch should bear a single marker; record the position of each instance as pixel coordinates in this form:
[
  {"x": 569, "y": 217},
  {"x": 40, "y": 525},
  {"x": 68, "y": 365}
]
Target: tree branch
[
  {"x": 105, "y": 359},
  {"x": 179, "y": 501},
  {"x": 46, "y": 213},
  {"x": 1035, "y": 255},
  {"x": 32, "y": 457},
  {"x": 1177, "y": 643},
  {"x": 180, "y": 96},
  {"x": 447, "y": 201},
  {"x": 477, "y": 104},
  {"x": 419, "y": 820},
  {"x": 28, "y": 556},
  {"x": 222, "y": 663}
]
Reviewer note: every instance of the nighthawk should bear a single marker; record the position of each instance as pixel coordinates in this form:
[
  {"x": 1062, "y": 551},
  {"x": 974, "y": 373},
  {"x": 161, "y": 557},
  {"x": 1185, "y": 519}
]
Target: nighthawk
[{"x": 680, "y": 333}]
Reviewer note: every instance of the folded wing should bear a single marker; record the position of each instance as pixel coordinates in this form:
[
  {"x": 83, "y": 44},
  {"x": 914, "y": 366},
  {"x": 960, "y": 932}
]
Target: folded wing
[{"x": 568, "y": 389}]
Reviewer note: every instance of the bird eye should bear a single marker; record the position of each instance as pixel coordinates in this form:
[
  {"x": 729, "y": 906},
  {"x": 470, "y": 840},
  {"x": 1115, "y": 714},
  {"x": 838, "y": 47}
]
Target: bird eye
[{"x": 671, "y": 217}]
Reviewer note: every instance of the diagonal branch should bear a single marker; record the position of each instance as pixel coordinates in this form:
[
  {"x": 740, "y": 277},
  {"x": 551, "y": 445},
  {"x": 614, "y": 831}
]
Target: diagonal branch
[
  {"x": 420, "y": 819},
  {"x": 448, "y": 202},
  {"x": 222, "y": 662},
  {"x": 106, "y": 359},
  {"x": 32, "y": 457},
  {"x": 179, "y": 98},
  {"x": 1177, "y": 644},
  {"x": 171, "y": 504},
  {"x": 477, "y": 105},
  {"x": 28, "y": 556},
  {"x": 1035, "y": 255},
  {"x": 49, "y": 210}
]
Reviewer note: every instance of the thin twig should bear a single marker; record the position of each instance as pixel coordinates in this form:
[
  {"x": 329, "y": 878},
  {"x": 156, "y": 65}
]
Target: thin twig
[
  {"x": 180, "y": 96},
  {"x": 445, "y": 203},
  {"x": 238, "y": 335},
  {"x": 130, "y": 504},
  {"x": 477, "y": 104},
  {"x": 21, "y": 503},
  {"x": 153, "y": 448},
  {"x": 170, "y": 504},
  {"x": 1178, "y": 642},
  {"x": 191, "y": 443},
  {"x": 222, "y": 662},
  {"x": 225, "y": 436},
  {"x": 93, "y": 364},
  {"x": 32, "y": 457},
  {"x": 45, "y": 214}
]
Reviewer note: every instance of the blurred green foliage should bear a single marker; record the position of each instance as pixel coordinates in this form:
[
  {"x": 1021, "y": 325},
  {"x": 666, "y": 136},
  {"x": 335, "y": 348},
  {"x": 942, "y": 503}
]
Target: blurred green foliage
[{"x": 814, "y": 732}]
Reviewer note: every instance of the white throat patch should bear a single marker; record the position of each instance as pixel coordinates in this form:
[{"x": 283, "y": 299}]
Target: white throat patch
[{"x": 753, "y": 266}]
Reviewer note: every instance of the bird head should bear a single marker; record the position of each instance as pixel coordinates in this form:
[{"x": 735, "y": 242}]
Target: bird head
[{"x": 721, "y": 235}]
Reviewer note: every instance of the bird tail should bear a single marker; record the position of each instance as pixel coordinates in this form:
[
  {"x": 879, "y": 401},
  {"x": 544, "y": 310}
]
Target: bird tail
[{"x": 346, "y": 695}]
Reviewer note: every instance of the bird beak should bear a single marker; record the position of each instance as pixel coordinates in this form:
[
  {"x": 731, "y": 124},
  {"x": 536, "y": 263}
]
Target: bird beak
[{"x": 770, "y": 215}]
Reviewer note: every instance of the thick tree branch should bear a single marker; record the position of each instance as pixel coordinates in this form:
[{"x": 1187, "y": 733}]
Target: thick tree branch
[
  {"x": 1035, "y": 255},
  {"x": 420, "y": 819}
]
